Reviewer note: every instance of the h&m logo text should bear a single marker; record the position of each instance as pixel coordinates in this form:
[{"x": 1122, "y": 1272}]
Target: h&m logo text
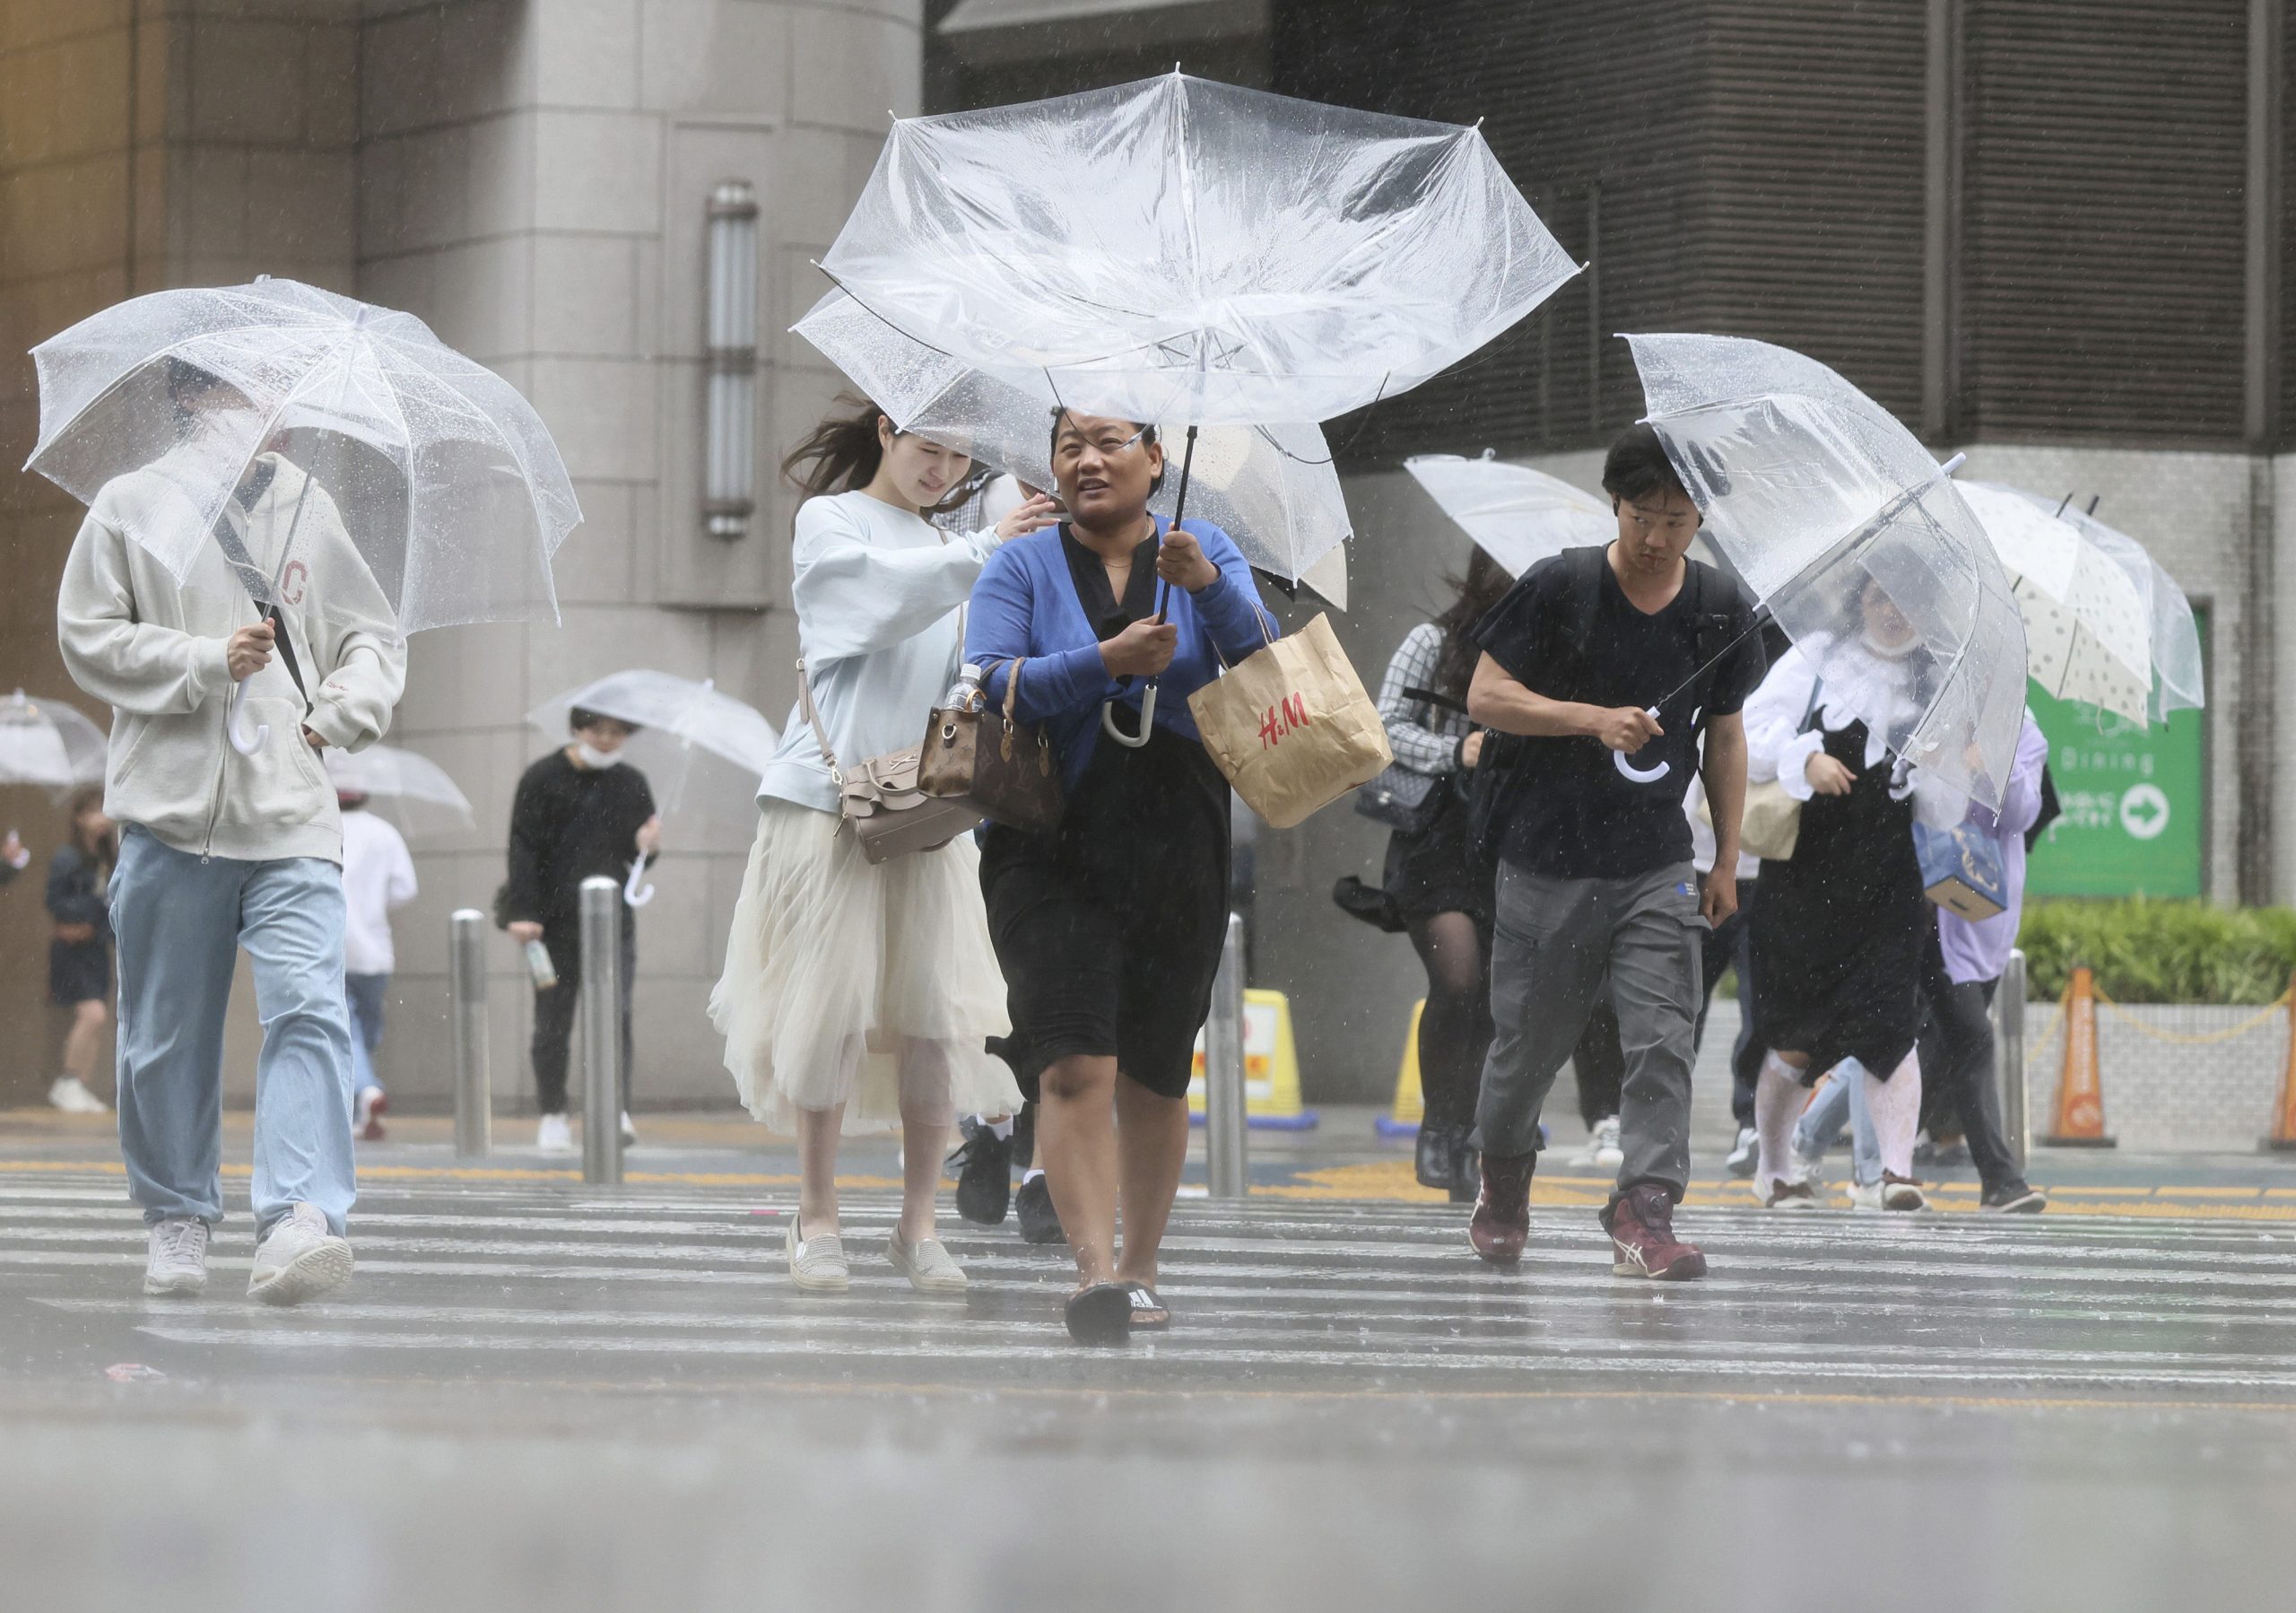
[{"x": 1280, "y": 720}]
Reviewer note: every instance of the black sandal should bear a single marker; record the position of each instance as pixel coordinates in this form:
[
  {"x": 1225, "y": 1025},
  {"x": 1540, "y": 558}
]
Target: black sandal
[
  {"x": 1101, "y": 1313},
  {"x": 1150, "y": 1314}
]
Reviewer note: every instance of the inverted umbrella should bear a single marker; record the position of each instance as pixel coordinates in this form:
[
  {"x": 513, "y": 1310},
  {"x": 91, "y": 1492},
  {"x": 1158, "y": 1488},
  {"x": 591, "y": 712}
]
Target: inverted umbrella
[
  {"x": 1516, "y": 515},
  {"x": 1815, "y": 494},
  {"x": 1272, "y": 489},
  {"x": 49, "y": 744},
  {"x": 420, "y": 791},
  {"x": 343, "y": 459},
  {"x": 703, "y": 750}
]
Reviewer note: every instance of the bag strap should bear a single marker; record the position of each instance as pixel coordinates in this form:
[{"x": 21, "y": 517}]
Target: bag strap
[{"x": 814, "y": 717}]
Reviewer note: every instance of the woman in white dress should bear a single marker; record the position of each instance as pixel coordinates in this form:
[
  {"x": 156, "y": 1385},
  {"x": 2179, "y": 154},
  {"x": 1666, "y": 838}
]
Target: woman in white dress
[{"x": 859, "y": 997}]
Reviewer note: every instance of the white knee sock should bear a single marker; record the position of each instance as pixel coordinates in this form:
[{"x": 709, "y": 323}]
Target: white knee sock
[
  {"x": 1895, "y": 1108},
  {"x": 1778, "y": 1103}
]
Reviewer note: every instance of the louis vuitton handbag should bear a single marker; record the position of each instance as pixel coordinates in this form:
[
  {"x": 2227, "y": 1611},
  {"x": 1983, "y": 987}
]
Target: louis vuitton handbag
[
  {"x": 881, "y": 801},
  {"x": 1004, "y": 768}
]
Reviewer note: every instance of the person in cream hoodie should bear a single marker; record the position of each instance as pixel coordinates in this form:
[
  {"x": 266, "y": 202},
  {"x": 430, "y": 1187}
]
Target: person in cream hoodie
[{"x": 222, "y": 851}]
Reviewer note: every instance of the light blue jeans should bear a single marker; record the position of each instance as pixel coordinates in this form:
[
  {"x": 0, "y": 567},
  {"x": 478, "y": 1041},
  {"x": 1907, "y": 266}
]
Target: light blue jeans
[
  {"x": 365, "y": 993},
  {"x": 1843, "y": 1099},
  {"x": 180, "y": 920}
]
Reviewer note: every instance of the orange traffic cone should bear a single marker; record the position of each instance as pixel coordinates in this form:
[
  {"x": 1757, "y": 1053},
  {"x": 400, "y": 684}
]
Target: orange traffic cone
[
  {"x": 2080, "y": 1120},
  {"x": 2283, "y": 1115}
]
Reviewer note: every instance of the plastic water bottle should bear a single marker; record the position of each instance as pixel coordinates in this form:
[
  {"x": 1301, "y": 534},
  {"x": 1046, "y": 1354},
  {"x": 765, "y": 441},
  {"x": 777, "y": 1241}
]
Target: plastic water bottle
[
  {"x": 539, "y": 965},
  {"x": 964, "y": 695}
]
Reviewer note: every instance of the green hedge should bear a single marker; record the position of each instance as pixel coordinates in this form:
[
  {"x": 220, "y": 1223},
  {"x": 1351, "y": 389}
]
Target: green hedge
[{"x": 2161, "y": 952}]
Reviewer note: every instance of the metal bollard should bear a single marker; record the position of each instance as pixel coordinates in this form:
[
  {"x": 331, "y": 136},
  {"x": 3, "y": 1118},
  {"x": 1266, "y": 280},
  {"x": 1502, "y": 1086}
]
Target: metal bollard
[
  {"x": 601, "y": 1029},
  {"x": 2009, "y": 1055},
  {"x": 1225, "y": 1128},
  {"x": 467, "y": 1010}
]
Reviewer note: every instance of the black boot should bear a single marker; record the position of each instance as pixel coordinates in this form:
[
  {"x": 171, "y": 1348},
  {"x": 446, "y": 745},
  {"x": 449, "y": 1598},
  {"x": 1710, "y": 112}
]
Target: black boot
[
  {"x": 1433, "y": 1159},
  {"x": 1467, "y": 1160}
]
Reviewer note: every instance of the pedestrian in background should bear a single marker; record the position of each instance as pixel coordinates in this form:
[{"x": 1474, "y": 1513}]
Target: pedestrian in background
[
  {"x": 580, "y": 811},
  {"x": 78, "y": 955},
  {"x": 1620, "y": 671},
  {"x": 1439, "y": 888},
  {"x": 377, "y": 875},
  {"x": 1110, "y": 927},
  {"x": 15, "y": 857},
  {"x": 222, "y": 851},
  {"x": 859, "y": 997},
  {"x": 1838, "y": 936}
]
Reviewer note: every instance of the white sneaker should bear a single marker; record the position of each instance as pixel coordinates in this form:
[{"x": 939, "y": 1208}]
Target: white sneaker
[
  {"x": 1902, "y": 1193},
  {"x": 1866, "y": 1196},
  {"x": 1608, "y": 1155},
  {"x": 629, "y": 1131},
  {"x": 177, "y": 1260},
  {"x": 367, "y": 1114},
  {"x": 299, "y": 1259},
  {"x": 68, "y": 1093},
  {"x": 928, "y": 1265},
  {"x": 554, "y": 1136},
  {"x": 817, "y": 1264},
  {"x": 1741, "y": 1160}
]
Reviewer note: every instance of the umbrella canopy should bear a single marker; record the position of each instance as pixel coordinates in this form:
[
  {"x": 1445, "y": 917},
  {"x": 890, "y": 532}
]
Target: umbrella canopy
[
  {"x": 702, "y": 751},
  {"x": 49, "y": 744},
  {"x": 415, "y": 788},
  {"x": 1516, "y": 515},
  {"x": 1179, "y": 249},
  {"x": 1272, "y": 489},
  {"x": 444, "y": 481},
  {"x": 1818, "y": 498}
]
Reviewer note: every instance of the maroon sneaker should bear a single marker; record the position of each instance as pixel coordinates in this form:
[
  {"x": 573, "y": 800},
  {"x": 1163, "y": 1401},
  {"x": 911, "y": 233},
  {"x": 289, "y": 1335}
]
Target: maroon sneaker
[
  {"x": 1501, "y": 1222},
  {"x": 1641, "y": 1222}
]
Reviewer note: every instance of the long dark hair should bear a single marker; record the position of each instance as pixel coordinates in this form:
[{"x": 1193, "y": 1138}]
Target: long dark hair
[
  {"x": 1484, "y": 585},
  {"x": 83, "y": 802},
  {"x": 843, "y": 453}
]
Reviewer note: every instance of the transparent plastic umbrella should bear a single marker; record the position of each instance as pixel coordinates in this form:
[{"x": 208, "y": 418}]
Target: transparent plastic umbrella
[
  {"x": 1816, "y": 495},
  {"x": 48, "y": 744},
  {"x": 702, "y": 751},
  {"x": 1274, "y": 489},
  {"x": 412, "y": 788},
  {"x": 345, "y": 461},
  {"x": 1516, "y": 515},
  {"x": 1181, "y": 249}
]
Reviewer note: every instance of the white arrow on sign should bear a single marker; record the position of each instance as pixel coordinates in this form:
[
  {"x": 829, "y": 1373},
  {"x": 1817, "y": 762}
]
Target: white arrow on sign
[{"x": 2143, "y": 811}]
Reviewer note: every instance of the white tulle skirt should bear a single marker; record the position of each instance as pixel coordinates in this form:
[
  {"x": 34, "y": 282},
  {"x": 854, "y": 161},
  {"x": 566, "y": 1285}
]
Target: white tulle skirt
[{"x": 847, "y": 980}]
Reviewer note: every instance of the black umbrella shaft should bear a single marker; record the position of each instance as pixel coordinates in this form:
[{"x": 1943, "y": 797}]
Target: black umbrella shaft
[{"x": 1179, "y": 510}]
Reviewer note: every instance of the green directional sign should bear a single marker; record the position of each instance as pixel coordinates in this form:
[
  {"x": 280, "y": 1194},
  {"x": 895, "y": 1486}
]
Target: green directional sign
[{"x": 2134, "y": 801}]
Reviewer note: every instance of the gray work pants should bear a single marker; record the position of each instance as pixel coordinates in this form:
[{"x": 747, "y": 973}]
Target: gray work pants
[{"x": 1554, "y": 941}]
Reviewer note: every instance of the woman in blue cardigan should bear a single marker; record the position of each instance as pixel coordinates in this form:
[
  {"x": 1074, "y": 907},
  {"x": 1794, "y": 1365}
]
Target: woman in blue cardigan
[{"x": 1110, "y": 927}]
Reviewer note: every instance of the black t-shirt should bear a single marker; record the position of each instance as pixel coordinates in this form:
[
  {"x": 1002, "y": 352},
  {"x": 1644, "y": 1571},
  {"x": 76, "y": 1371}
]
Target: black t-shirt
[
  {"x": 567, "y": 824},
  {"x": 1584, "y": 812}
]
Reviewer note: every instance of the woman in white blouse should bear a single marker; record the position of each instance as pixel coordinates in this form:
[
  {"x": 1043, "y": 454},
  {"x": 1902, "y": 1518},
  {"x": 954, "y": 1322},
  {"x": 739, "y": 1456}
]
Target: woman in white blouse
[{"x": 858, "y": 996}]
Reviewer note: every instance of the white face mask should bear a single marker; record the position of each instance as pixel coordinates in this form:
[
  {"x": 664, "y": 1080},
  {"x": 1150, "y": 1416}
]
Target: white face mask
[{"x": 597, "y": 758}]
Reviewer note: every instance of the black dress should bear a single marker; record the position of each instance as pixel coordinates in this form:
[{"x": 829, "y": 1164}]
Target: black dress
[
  {"x": 1837, "y": 937},
  {"x": 1438, "y": 869}
]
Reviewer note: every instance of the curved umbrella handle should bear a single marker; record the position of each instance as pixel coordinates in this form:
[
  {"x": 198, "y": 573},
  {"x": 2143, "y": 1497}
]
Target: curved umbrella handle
[
  {"x": 1147, "y": 720},
  {"x": 235, "y": 723},
  {"x": 1644, "y": 775},
  {"x": 629, "y": 891}
]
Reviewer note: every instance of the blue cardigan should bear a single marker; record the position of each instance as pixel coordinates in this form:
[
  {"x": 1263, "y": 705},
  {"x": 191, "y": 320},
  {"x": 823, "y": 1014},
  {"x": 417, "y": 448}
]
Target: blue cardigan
[{"x": 1025, "y": 604}]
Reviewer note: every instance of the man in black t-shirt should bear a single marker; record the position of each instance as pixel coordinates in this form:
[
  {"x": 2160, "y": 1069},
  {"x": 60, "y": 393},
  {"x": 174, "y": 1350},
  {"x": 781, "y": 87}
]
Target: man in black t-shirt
[{"x": 1619, "y": 672}]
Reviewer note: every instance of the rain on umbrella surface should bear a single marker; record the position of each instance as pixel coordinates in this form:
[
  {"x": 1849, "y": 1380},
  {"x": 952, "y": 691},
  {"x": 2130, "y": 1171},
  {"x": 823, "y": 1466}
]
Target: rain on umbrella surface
[
  {"x": 421, "y": 793},
  {"x": 702, "y": 750},
  {"x": 1516, "y": 515},
  {"x": 427, "y": 490},
  {"x": 1274, "y": 489},
  {"x": 1811, "y": 491},
  {"x": 48, "y": 744},
  {"x": 1177, "y": 250},
  {"x": 2104, "y": 624}
]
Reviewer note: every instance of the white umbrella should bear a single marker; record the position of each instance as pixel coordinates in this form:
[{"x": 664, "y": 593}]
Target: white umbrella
[
  {"x": 1814, "y": 492},
  {"x": 1516, "y": 515},
  {"x": 420, "y": 791},
  {"x": 1272, "y": 489},
  {"x": 48, "y": 744},
  {"x": 703, "y": 751},
  {"x": 425, "y": 491}
]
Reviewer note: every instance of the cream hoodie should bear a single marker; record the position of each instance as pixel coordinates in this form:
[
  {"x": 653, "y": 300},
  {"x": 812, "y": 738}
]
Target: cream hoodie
[{"x": 154, "y": 649}]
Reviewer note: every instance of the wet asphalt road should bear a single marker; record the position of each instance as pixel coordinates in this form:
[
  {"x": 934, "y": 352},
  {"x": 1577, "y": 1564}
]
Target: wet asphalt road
[{"x": 561, "y": 1397}]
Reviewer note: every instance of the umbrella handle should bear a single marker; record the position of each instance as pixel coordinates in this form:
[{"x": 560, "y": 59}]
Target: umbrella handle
[
  {"x": 1147, "y": 720},
  {"x": 235, "y": 723},
  {"x": 629, "y": 891}
]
